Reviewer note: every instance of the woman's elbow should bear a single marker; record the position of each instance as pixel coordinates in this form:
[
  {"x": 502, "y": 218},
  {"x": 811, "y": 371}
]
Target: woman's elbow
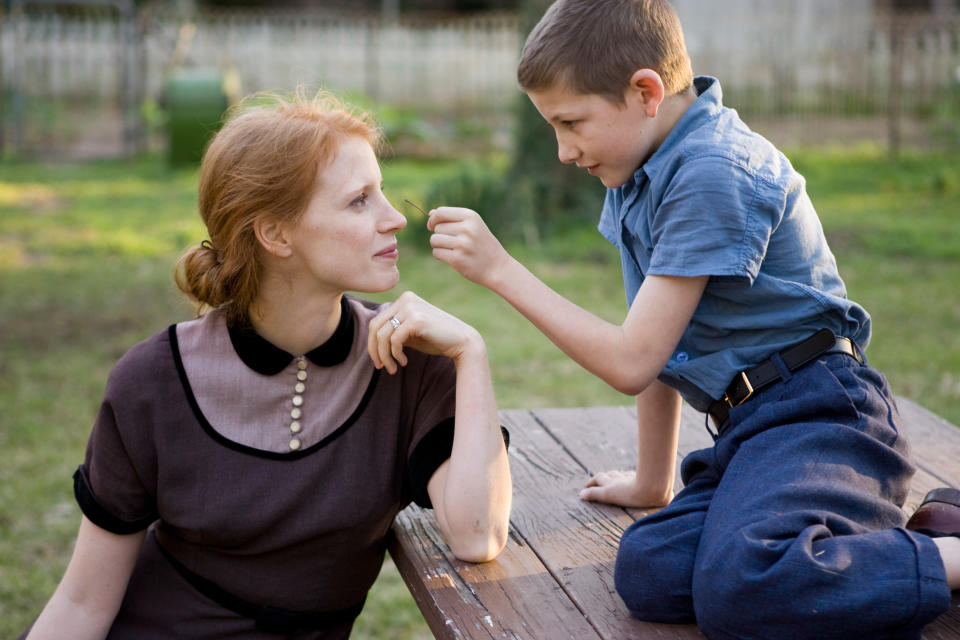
[{"x": 479, "y": 546}]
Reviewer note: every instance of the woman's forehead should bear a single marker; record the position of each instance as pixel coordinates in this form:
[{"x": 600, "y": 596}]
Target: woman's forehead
[{"x": 354, "y": 166}]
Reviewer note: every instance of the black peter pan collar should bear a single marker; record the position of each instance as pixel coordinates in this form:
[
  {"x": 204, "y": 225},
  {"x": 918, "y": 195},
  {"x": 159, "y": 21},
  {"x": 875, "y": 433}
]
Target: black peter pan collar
[{"x": 268, "y": 359}]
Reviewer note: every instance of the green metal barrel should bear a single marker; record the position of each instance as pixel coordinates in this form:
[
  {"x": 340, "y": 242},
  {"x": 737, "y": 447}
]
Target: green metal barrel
[{"x": 195, "y": 100}]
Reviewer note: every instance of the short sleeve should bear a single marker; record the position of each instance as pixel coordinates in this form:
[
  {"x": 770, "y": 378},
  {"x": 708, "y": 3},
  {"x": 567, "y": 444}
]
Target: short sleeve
[
  {"x": 711, "y": 222},
  {"x": 432, "y": 439},
  {"x": 107, "y": 486}
]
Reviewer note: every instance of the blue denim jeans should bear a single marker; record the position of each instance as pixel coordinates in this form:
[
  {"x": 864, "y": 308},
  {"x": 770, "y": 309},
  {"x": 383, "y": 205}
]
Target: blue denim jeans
[{"x": 790, "y": 526}]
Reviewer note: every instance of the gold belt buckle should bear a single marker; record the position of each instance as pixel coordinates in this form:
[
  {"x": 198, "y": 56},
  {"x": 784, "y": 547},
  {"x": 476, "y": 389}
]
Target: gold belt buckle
[{"x": 746, "y": 382}]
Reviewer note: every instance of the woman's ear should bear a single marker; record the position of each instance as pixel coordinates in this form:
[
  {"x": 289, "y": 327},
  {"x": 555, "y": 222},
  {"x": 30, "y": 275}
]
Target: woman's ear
[
  {"x": 646, "y": 86},
  {"x": 273, "y": 237}
]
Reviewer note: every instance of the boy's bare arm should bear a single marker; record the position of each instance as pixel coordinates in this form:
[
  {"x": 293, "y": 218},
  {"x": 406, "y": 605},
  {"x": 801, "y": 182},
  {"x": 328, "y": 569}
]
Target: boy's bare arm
[
  {"x": 651, "y": 485},
  {"x": 628, "y": 357}
]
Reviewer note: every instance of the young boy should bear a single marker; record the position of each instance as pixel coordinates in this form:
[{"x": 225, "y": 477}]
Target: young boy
[{"x": 790, "y": 525}]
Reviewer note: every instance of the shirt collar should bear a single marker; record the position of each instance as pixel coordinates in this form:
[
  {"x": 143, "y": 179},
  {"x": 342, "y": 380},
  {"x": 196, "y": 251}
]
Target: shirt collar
[
  {"x": 267, "y": 359},
  {"x": 709, "y": 104}
]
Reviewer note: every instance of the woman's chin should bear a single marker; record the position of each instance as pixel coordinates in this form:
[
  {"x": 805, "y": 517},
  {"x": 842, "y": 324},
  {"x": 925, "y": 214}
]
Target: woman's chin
[{"x": 384, "y": 284}]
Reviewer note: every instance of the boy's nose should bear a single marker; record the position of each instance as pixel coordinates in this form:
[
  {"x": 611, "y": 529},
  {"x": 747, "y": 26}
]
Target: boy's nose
[{"x": 567, "y": 153}]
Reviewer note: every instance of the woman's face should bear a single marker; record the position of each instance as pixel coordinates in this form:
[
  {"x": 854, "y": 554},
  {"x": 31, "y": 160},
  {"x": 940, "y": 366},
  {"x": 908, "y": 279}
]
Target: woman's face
[{"x": 346, "y": 239}]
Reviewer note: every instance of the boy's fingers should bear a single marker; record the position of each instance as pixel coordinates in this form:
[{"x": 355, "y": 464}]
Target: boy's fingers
[
  {"x": 447, "y": 214},
  {"x": 449, "y": 228},
  {"x": 594, "y": 494},
  {"x": 443, "y": 242},
  {"x": 599, "y": 479},
  {"x": 444, "y": 255}
]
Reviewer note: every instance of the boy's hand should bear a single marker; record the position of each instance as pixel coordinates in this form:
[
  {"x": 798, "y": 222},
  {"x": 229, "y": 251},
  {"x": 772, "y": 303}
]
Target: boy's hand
[
  {"x": 621, "y": 488},
  {"x": 462, "y": 240}
]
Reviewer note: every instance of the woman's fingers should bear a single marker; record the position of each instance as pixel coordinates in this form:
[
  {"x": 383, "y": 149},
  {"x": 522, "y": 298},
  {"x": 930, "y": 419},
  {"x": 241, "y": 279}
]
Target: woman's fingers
[
  {"x": 415, "y": 323},
  {"x": 372, "y": 341},
  {"x": 384, "y": 350},
  {"x": 398, "y": 338},
  {"x": 378, "y": 338},
  {"x": 391, "y": 329}
]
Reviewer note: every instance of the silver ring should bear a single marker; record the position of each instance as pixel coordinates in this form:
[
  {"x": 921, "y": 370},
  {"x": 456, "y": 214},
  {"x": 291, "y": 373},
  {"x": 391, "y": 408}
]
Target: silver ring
[{"x": 395, "y": 322}]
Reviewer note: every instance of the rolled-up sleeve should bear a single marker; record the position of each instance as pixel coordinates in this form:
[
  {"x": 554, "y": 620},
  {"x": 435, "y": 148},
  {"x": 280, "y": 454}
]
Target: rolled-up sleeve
[{"x": 110, "y": 489}]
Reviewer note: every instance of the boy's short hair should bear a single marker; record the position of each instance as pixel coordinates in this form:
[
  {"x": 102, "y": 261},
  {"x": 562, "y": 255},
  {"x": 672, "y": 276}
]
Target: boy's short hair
[{"x": 594, "y": 46}]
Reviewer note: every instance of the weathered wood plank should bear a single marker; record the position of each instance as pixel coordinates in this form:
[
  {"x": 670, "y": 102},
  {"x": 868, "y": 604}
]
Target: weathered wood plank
[
  {"x": 607, "y": 435},
  {"x": 512, "y": 597},
  {"x": 935, "y": 442},
  {"x": 576, "y": 540},
  {"x": 555, "y": 578},
  {"x": 936, "y": 451}
]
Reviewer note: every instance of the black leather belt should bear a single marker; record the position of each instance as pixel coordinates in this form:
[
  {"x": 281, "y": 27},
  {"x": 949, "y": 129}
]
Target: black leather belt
[
  {"x": 746, "y": 383},
  {"x": 270, "y": 619}
]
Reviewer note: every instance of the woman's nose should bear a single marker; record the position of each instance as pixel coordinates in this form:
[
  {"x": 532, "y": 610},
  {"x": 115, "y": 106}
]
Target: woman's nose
[{"x": 394, "y": 220}]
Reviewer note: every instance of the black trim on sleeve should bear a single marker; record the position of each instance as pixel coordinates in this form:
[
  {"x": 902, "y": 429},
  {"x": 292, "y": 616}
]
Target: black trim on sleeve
[
  {"x": 432, "y": 451},
  {"x": 97, "y": 514}
]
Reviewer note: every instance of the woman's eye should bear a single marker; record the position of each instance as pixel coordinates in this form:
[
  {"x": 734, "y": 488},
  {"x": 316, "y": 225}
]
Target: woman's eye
[{"x": 359, "y": 201}]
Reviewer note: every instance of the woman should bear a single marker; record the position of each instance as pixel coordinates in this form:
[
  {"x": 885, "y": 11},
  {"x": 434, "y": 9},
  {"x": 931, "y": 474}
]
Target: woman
[{"x": 245, "y": 466}]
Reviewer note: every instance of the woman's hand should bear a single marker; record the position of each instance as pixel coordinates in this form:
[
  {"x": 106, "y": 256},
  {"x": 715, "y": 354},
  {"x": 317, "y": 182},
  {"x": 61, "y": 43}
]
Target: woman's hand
[
  {"x": 414, "y": 322},
  {"x": 462, "y": 240}
]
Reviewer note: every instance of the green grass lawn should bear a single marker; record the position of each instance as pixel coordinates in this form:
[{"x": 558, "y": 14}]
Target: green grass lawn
[{"x": 86, "y": 254}]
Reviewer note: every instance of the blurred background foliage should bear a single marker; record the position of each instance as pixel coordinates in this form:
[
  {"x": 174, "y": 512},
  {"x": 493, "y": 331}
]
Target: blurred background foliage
[{"x": 91, "y": 221}]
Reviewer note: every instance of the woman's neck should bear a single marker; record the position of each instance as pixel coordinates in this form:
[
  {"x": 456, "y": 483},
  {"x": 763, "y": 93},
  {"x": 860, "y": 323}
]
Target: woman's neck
[{"x": 295, "y": 324}]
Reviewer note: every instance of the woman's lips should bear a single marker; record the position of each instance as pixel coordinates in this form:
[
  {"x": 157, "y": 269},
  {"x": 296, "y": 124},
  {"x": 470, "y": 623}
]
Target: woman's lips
[{"x": 389, "y": 252}]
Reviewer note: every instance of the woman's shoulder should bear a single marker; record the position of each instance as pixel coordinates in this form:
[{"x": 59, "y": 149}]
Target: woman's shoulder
[
  {"x": 363, "y": 308},
  {"x": 364, "y": 311},
  {"x": 145, "y": 359}
]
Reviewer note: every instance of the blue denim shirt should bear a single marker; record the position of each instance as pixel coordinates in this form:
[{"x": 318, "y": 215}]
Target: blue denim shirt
[{"x": 717, "y": 199}]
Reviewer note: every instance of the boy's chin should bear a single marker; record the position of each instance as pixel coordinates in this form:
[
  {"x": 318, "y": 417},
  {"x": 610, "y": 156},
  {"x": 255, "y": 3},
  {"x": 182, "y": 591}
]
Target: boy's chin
[{"x": 612, "y": 182}]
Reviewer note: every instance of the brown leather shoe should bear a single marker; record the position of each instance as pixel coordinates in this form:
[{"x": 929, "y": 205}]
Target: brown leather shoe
[{"x": 938, "y": 515}]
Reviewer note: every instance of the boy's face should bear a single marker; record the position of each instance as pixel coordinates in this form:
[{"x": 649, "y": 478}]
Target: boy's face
[{"x": 609, "y": 140}]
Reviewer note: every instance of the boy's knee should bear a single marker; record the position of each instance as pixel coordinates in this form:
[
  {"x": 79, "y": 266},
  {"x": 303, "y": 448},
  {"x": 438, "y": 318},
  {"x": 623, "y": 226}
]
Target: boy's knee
[
  {"x": 740, "y": 589},
  {"x": 653, "y": 578}
]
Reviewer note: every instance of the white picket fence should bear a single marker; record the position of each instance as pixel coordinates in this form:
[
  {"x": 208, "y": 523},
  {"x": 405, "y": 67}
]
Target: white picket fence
[
  {"x": 452, "y": 62},
  {"x": 773, "y": 56}
]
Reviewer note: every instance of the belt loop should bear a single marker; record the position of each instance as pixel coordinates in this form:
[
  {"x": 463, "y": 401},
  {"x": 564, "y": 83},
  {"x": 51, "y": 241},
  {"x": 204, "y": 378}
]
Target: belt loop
[
  {"x": 781, "y": 366},
  {"x": 706, "y": 425}
]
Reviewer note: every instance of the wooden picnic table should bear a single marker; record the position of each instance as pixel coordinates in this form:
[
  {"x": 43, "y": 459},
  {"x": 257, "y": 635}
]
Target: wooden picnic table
[{"x": 554, "y": 579}]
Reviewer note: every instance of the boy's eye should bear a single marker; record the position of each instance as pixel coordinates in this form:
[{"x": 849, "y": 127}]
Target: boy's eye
[{"x": 569, "y": 124}]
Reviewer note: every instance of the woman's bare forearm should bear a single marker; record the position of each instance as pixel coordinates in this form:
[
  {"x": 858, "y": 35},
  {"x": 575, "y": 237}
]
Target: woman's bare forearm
[
  {"x": 474, "y": 512},
  {"x": 88, "y": 597}
]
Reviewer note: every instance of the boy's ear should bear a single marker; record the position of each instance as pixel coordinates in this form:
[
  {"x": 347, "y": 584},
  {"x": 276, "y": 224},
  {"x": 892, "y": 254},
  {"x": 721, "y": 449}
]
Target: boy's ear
[
  {"x": 272, "y": 236},
  {"x": 646, "y": 86}
]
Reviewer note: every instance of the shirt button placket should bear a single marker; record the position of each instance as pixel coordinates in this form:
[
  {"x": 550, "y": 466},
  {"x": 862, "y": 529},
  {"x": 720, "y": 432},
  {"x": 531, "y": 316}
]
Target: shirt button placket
[{"x": 297, "y": 412}]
